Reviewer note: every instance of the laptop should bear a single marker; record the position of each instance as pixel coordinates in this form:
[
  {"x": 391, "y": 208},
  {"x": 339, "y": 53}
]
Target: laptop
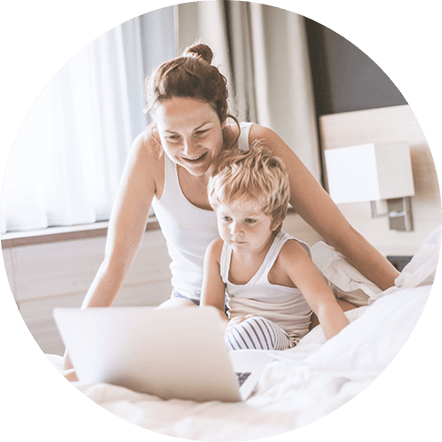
[{"x": 176, "y": 353}]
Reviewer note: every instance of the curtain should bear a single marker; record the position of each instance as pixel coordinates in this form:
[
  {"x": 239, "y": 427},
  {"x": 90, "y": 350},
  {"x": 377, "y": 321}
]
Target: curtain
[
  {"x": 263, "y": 52},
  {"x": 69, "y": 155}
]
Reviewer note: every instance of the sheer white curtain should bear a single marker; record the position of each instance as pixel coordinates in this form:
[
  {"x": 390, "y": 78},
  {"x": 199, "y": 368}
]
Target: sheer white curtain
[
  {"x": 68, "y": 157},
  {"x": 263, "y": 52}
]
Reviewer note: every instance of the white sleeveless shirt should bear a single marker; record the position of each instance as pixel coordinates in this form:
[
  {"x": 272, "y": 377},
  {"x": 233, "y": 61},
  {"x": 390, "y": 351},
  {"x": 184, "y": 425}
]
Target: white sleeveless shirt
[
  {"x": 188, "y": 230},
  {"x": 284, "y": 306}
]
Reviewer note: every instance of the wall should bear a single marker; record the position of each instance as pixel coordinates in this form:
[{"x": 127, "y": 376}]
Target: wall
[
  {"x": 356, "y": 103},
  {"x": 345, "y": 78}
]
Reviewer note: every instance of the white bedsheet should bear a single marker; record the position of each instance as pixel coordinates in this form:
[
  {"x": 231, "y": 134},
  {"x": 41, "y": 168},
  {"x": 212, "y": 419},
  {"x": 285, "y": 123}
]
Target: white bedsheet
[{"x": 306, "y": 383}]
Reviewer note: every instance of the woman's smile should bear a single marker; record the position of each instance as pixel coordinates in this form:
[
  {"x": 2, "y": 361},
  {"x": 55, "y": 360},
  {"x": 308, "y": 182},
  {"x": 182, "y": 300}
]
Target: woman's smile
[{"x": 195, "y": 160}]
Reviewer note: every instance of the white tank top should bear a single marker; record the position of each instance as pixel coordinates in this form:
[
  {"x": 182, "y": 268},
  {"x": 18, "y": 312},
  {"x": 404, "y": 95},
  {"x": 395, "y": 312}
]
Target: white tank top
[
  {"x": 284, "y": 306},
  {"x": 188, "y": 230}
]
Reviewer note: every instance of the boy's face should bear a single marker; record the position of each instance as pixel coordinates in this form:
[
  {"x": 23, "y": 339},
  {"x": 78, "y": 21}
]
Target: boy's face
[{"x": 245, "y": 227}]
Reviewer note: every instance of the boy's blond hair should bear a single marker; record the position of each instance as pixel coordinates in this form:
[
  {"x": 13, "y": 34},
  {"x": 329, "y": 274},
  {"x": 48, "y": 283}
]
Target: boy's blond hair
[{"x": 254, "y": 176}]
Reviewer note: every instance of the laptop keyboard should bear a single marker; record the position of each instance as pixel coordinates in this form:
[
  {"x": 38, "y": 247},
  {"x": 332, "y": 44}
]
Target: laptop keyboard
[{"x": 242, "y": 377}]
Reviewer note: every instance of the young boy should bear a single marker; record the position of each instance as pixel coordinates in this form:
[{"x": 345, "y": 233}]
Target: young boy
[{"x": 271, "y": 282}]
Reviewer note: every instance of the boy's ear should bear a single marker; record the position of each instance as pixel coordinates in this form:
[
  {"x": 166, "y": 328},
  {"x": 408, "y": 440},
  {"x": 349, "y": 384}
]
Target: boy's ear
[{"x": 275, "y": 226}]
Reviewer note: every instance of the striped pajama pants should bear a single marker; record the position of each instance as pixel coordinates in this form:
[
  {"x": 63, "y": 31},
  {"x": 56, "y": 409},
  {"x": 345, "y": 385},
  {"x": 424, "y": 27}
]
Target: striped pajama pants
[{"x": 257, "y": 333}]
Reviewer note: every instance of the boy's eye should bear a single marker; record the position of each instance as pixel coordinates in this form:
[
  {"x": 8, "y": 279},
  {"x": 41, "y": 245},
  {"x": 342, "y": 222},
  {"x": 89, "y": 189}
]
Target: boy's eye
[
  {"x": 226, "y": 218},
  {"x": 250, "y": 221}
]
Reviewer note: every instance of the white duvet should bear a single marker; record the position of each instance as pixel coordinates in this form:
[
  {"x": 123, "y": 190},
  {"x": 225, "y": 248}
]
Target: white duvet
[{"x": 307, "y": 382}]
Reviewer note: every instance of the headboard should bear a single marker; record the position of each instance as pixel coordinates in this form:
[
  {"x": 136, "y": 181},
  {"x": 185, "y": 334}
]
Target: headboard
[{"x": 389, "y": 125}]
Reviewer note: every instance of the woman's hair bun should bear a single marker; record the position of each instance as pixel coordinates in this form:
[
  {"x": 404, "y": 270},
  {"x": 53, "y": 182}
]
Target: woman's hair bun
[{"x": 199, "y": 50}]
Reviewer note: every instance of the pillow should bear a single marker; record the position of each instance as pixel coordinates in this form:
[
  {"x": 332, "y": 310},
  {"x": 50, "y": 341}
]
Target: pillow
[
  {"x": 346, "y": 281},
  {"x": 349, "y": 284},
  {"x": 421, "y": 270}
]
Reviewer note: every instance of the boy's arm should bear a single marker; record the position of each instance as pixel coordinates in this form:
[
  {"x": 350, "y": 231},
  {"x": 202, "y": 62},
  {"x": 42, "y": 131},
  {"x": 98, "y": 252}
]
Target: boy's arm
[
  {"x": 213, "y": 291},
  {"x": 304, "y": 275}
]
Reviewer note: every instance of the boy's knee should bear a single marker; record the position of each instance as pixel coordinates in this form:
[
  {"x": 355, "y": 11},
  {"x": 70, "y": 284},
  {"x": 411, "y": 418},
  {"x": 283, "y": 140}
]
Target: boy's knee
[
  {"x": 252, "y": 326},
  {"x": 252, "y": 333},
  {"x": 254, "y": 322}
]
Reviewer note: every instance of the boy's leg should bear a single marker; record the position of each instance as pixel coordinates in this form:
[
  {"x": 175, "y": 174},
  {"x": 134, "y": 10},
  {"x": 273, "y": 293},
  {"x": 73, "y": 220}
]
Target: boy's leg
[{"x": 257, "y": 333}]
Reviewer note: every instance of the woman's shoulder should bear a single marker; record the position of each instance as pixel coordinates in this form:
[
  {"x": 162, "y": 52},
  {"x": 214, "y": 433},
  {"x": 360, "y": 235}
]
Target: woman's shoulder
[
  {"x": 150, "y": 143},
  {"x": 256, "y": 132},
  {"x": 270, "y": 139},
  {"x": 264, "y": 134},
  {"x": 148, "y": 146},
  {"x": 146, "y": 160}
]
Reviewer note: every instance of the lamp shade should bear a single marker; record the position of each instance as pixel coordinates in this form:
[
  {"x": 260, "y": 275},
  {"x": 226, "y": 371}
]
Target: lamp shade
[{"x": 369, "y": 172}]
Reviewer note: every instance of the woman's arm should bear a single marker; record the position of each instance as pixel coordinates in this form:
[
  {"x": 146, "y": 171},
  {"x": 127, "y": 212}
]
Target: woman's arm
[
  {"x": 316, "y": 207},
  {"x": 213, "y": 291},
  {"x": 298, "y": 266},
  {"x": 126, "y": 227}
]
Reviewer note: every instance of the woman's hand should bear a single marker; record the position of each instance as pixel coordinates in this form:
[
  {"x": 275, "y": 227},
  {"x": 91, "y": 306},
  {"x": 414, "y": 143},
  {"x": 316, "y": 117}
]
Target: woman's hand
[
  {"x": 68, "y": 370},
  {"x": 70, "y": 375}
]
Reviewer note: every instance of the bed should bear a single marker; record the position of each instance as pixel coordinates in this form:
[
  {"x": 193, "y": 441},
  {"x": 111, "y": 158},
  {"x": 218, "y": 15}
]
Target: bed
[{"x": 306, "y": 383}]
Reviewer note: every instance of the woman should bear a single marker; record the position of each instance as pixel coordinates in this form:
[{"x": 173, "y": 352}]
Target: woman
[{"x": 169, "y": 166}]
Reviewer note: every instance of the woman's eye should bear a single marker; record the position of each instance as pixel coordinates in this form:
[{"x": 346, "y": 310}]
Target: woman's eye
[
  {"x": 173, "y": 138},
  {"x": 201, "y": 132}
]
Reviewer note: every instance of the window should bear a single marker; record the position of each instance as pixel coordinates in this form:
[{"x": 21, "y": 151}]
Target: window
[{"x": 69, "y": 155}]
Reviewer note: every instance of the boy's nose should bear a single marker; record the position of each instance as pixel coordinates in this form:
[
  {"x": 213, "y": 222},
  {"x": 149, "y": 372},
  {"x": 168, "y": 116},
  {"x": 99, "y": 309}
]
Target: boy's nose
[{"x": 236, "y": 229}]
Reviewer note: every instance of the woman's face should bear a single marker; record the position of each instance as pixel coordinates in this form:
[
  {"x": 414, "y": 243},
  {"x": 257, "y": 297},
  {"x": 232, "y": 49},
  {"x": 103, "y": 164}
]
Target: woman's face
[{"x": 190, "y": 132}]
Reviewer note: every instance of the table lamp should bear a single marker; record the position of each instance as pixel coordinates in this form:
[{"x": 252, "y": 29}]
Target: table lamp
[{"x": 373, "y": 172}]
